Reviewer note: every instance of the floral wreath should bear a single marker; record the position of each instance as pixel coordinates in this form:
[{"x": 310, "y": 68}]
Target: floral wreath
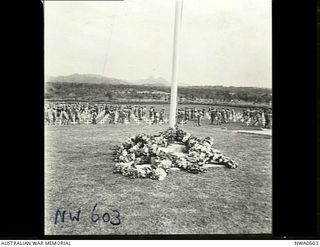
[{"x": 145, "y": 156}]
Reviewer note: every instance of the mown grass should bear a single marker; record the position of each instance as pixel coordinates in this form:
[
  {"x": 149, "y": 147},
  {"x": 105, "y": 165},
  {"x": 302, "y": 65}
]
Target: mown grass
[{"x": 79, "y": 174}]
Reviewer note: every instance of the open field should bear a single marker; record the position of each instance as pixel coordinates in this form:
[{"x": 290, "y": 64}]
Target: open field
[{"x": 79, "y": 174}]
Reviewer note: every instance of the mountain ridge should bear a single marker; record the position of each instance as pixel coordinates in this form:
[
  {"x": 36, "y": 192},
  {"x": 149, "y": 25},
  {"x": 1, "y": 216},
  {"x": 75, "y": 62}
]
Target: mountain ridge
[
  {"x": 86, "y": 78},
  {"x": 149, "y": 81}
]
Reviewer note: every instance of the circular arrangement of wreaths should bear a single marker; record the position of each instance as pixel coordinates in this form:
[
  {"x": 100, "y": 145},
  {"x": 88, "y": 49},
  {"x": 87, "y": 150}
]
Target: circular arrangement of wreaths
[{"x": 150, "y": 156}]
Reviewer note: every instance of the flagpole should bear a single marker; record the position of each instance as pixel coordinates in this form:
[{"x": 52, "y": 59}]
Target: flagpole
[{"x": 174, "y": 83}]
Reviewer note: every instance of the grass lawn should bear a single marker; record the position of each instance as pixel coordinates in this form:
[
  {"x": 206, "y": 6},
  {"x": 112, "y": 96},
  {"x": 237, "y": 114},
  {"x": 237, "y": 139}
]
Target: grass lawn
[{"x": 79, "y": 174}]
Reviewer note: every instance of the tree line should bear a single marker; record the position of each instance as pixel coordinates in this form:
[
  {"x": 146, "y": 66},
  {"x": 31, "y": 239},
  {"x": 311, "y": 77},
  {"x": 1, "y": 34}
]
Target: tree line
[{"x": 123, "y": 92}]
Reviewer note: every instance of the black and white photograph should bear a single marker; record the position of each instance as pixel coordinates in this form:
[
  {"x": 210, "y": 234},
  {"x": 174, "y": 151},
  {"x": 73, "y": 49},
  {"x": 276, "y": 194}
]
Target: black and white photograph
[{"x": 158, "y": 117}]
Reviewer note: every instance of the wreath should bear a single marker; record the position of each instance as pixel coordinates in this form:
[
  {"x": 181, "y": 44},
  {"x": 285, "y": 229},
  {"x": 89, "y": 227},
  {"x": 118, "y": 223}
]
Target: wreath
[{"x": 148, "y": 156}]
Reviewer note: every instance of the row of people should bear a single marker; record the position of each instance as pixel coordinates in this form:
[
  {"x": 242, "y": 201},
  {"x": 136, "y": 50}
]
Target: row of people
[
  {"x": 77, "y": 113},
  {"x": 257, "y": 117}
]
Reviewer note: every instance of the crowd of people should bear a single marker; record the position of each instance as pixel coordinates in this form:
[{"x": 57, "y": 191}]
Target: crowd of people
[
  {"x": 92, "y": 113},
  {"x": 250, "y": 117},
  {"x": 78, "y": 113}
]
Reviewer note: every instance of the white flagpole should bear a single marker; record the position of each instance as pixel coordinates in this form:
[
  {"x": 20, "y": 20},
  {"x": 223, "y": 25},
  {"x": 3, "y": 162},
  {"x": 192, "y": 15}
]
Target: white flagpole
[{"x": 174, "y": 83}]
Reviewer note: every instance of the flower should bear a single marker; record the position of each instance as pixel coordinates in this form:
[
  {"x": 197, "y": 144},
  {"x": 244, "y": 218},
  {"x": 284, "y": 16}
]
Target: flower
[
  {"x": 141, "y": 156},
  {"x": 182, "y": 163},
  {"x": 159, "y": 174},
  {"x": 132, "y": 156},
  {"x": 165, "y": 164},
  {"x": 202, "y": 156}
]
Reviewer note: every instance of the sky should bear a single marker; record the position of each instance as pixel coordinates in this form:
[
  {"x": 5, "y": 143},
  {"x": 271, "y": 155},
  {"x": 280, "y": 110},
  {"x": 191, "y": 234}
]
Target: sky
[{"x": 222, "y": 42}]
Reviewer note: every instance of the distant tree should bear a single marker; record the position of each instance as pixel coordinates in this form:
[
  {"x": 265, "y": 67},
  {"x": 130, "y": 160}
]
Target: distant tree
[
  {"x": 140, "y": 97},
  {"x": 109, "y": 95}
]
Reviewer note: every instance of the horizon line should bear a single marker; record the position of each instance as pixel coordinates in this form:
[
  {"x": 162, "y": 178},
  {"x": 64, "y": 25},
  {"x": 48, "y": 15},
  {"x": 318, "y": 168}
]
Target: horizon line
[{"x": 166, "y": 83}]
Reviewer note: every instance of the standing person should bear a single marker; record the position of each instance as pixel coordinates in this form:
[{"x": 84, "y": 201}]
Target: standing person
[
  {"x": 54, "y": 114},
  {"x": 212, "y": 115},
  {"x": 77, "y": 114},
  {"x": 47, "y": 114},
  {"x": 140, "y": 114},
  {"x": 186, "y": 114},
  {"x": 94, "y": 116},
  {"x": 112, "y": 116},
  {"x": 135, "y": 112},
  {"x": 178, "y": 116},
  {"x": 102, "y": 106},
  {"x": 251, "y": 115},
  {"x": 233, "y": 115},
  {"x": 144, "y": 112},
  {"x": 119, "y": 118},
  {"x": 243, "y": 116},
  {"x": 254, "y": 117},
  {"x": 247, "y": 116},
  {"x": 195, "y": 117},
  {"x": 86, "y": 108},
  {"x": 64, "y": 116},
  {"x": 268, "y": 118},
  {"x": 125, "y": 115},
  {"x": 201, "y": 114},
  {"x": 116, "y": 114},
  {"x": 161, "y": 115},
  {"x": 192, "y": 113},
  {"x": 181, "y": 115},
  {"x": 129, "y": 112},
  {"x": 156, "y": 117},
  {"x": 69, "y": 113},
  {"x": 81, "y": 108},
  {"x": 224, "y": 115},
  {"x": 263, "y": 119},
  {"x": 189, "y": 114},
  {"x": 219, "y": 117},
  {"x": 151, "y": 113},
  {"x": 96, "y": 108},
  {"x": 59, "y": 110},
  {"x": 122, "y": 116},
  {"x": 106, "y": 110},
  {"x": 228, "y": 115}
]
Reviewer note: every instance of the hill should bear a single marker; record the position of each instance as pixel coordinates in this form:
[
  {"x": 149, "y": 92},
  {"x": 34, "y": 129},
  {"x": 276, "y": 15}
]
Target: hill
[
  {"x": 152, "y": 81},
  {"x": 87, "y": 78}
]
